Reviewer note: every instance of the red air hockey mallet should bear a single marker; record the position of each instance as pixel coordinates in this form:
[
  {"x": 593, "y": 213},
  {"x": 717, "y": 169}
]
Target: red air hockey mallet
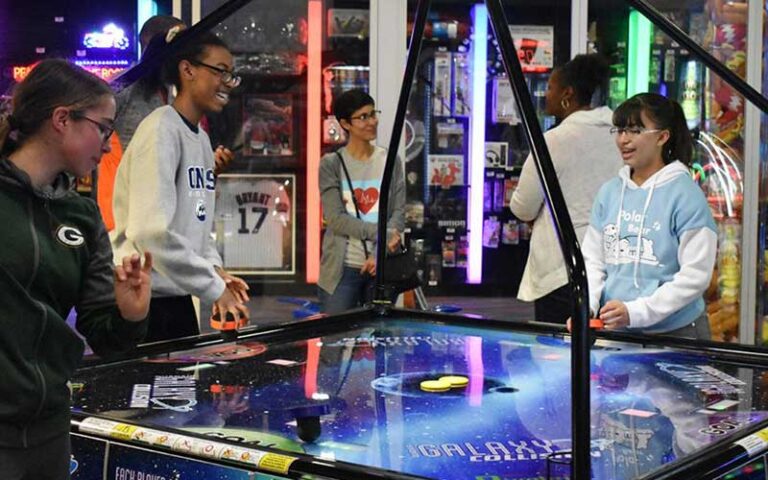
[
  {"x": 229, "y": 326},
  {"x": 594, "y": 323}
]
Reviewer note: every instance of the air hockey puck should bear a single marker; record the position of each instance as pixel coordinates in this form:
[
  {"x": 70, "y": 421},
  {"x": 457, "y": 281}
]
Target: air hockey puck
[
  {"x": 435, "y": 385},
  {"x": 456, "y": 381}
]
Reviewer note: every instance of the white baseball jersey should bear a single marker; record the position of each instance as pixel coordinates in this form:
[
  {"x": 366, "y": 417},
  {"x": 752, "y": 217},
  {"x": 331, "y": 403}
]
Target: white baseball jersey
[{"x": 253, "y": 213}]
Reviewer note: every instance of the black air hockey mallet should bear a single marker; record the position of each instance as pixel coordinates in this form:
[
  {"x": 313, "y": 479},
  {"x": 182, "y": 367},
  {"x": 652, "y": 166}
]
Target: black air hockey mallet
[{"x": 229, "y": 326}]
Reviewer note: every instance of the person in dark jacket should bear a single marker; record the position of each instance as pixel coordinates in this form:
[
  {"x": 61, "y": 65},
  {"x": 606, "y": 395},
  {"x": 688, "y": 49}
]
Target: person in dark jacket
[{"x": 55, "y": 255}]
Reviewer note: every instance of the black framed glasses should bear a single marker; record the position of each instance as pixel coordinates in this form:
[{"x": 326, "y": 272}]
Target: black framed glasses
[
  {"x": 105, "y": 130},
  {"x": 364, "y": 117},
  {"x": 227, "y": 77}
]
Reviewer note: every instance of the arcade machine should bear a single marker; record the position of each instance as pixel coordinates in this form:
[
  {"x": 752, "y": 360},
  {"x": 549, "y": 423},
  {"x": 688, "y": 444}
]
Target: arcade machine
[{"x": 387, "y": 393}]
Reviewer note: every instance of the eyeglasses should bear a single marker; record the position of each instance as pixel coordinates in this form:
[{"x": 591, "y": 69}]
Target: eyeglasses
[
  {"x": 633, "y": 131},
  {"x": 226, "y": 76},
  {"x": 105, "y": 130},
  {"x": 364, "y": 117}
]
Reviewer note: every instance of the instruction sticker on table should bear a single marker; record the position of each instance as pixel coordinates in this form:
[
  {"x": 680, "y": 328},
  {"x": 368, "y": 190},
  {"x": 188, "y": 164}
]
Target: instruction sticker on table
[
  {"x": 755, "y": 443},
  {"x": 276, "y": 463}
]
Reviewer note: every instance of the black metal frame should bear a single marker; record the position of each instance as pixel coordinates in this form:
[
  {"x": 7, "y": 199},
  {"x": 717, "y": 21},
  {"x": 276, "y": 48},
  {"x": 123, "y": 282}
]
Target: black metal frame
[
  {"x": 566, "y": 234},
  {"x": 574, "y": 261},
  {"x": 420, "y": 21},
  {"x": 154, "y": 60},
  {"x": 678, "y": 35}
]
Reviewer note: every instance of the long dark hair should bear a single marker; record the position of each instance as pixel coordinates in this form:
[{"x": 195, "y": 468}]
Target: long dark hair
[
  {"x": 666, "y": 114},
  {"x": 190, "y": 49},
  {"x": 587, "y": 74},
  {"x": 152, "y": 37},
  {"x": 52, "y": 83}
]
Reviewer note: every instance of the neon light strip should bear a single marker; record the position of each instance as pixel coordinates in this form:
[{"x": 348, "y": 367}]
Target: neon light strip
[
  {"x": 102, "y": 63},
  {"x": 477, "y": 144},
  {"x": 639, "y": 57},
  {"x": 314, "y": 128},
  {"x": 312, "y": 367}
]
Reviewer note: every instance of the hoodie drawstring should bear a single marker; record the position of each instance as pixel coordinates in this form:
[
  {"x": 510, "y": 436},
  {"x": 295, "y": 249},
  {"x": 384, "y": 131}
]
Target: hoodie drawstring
[
  {"x": 640, "y": 233},
  {"x": 618, "y": 218}
]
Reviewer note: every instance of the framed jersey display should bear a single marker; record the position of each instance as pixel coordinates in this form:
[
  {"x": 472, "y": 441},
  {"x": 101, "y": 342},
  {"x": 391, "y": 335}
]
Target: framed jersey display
[{"x": 255, "y": 223}]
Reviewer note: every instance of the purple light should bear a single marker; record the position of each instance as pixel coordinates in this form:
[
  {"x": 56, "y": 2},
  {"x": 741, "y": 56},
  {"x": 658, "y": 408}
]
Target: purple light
[
  {"x": 477, "y": 144},
  {"x": 473, "y": 349},
  {"x": 110, "y": 37}
]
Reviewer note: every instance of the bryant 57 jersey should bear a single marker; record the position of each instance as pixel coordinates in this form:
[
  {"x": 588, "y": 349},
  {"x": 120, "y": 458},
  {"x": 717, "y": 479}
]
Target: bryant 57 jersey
[{"x": 253, "y": 222}]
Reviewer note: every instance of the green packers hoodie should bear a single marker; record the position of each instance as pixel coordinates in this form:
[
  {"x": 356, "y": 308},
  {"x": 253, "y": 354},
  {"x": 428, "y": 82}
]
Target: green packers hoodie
[{"x": 54, "y": 255}]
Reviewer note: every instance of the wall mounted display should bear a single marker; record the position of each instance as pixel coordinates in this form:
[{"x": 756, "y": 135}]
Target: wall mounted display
[
  {"x": 255, "y": 223},
  {"x": 348, "y": 22},
  {"x": 446, "y": 170},
  {"x": 496, "y": 154},
  {"x": 535, "y": 45}
]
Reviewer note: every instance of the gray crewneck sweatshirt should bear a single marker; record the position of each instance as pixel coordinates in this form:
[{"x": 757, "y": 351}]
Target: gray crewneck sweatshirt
[{"x": 164, "y": 204}]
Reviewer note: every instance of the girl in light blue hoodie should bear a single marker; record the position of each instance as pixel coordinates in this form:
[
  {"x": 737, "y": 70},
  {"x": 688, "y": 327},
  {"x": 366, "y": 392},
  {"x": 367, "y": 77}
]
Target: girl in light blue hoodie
[{"x": 651, "y": 244}]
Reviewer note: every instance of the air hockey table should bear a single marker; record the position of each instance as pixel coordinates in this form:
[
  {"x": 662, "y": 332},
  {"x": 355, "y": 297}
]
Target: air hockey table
[{"x": 342, "y": 397}]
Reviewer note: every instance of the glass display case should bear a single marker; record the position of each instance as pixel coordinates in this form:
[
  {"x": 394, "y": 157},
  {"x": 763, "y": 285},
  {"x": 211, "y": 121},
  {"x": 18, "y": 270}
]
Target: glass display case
[
  {"x": 465, "y": 144},
  {"x": 295, "y": 57}
]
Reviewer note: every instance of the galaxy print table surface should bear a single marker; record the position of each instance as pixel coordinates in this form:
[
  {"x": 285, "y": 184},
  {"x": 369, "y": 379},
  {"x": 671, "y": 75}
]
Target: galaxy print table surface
[{"x": 356, "y": 396}]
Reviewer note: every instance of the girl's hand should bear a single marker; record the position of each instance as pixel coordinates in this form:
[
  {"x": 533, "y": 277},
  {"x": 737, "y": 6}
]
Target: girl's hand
[
  {"x": 222, "y": 157},
  {"x": 228, "y": 302},
  {"x": 236, "y": 284},
  {"x": 614, "y": 315},
  {"x": 133, "y": 287},
  {"x": 369, "y": 266},
  {"x": 394, "y": 242}
]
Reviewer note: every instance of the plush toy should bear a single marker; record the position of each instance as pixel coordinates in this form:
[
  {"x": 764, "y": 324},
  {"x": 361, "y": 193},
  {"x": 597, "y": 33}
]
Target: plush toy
[
  {"x": 723, "y": 12},
  {"x": 727, "y": 41}
]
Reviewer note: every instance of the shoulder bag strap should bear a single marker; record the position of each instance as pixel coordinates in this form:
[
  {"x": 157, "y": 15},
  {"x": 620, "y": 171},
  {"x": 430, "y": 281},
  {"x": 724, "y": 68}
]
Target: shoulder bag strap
[{"x": 352, "y": 193}]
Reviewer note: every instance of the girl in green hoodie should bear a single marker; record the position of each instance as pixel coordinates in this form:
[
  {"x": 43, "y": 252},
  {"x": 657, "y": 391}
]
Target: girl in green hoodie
[{"x": 55, "y": 255}]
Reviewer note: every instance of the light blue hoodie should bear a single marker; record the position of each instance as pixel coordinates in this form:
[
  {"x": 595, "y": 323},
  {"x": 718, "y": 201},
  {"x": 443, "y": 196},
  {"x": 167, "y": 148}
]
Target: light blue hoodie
[{"x": 652, "y": 247}]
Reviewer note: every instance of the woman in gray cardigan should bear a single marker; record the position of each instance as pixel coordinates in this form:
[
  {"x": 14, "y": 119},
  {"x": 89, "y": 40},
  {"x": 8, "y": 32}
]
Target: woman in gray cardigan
[{"x": 348, "y": 262}]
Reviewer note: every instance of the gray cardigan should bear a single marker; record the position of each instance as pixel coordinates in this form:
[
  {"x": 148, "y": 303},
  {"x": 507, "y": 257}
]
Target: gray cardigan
[{"x": 341, "y": 226}]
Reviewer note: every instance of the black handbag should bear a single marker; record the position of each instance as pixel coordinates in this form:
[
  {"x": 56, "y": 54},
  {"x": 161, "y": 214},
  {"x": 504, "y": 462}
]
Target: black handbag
[{"x": 401, "y": 271}]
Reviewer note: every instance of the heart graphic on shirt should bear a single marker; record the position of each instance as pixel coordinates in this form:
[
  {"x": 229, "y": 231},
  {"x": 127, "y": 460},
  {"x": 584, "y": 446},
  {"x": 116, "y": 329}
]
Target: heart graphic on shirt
[{"x": 366, "y": 199}]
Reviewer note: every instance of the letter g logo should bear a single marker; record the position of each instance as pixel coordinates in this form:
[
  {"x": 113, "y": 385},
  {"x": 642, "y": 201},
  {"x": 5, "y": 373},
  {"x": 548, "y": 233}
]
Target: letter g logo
[{"x": 70, "y": 236}]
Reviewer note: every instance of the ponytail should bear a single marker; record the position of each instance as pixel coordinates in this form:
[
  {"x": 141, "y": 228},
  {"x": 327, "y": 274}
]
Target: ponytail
[
  {"x": 5, "y": 132},
  {"x": 680, "y": 144}
]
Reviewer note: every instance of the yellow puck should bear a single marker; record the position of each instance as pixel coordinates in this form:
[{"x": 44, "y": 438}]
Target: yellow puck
[
  {"x": 456, "y": 381},
  {"x": 435, "y": 386}
]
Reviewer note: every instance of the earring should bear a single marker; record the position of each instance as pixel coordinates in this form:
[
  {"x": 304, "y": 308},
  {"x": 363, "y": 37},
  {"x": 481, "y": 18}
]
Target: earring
[{"x": 565, "y": 103}]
